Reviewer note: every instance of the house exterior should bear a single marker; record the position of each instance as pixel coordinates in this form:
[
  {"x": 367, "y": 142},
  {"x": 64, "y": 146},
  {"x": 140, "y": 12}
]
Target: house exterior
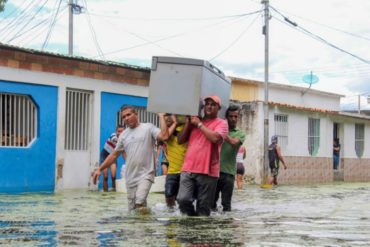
[
  {"x": 56, "y": 113},
  {"x": 306, "y": 121}
]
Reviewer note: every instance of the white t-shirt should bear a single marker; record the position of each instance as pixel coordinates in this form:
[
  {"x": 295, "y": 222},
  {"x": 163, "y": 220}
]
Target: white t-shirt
[{"x": 138, "y": 143}]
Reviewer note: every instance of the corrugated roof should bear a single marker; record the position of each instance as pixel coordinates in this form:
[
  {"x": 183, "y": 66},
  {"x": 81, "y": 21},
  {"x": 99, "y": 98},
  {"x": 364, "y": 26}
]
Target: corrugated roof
[
  {"x": 284, "y": 86},
  {"x": 79, "y": 58}
]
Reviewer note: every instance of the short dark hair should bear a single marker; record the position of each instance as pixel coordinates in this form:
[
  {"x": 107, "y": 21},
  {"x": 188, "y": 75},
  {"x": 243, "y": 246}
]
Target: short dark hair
[
  {"x": 119, "y": 126},
  {"x": 126, "y": 107},
  {"x": 232, "y": 107}
]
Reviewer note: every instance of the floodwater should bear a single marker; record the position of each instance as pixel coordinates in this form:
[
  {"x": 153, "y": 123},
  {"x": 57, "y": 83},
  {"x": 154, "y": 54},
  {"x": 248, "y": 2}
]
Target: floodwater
[{"x": 311, "y": 215}]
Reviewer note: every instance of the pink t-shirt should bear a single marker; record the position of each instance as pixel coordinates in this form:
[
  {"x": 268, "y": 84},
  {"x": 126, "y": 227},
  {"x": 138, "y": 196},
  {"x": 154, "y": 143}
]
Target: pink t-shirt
[{"x": 202, "y": 155}]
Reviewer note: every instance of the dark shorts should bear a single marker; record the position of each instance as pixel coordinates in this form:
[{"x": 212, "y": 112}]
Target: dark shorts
[
  {"x": 274, "y": 167},
  {"x": 164, "y": 161},
  {"x": 171, "y": 187},
  {"x": 103, "y": 155},
  {"x": 240, "y": 169}
]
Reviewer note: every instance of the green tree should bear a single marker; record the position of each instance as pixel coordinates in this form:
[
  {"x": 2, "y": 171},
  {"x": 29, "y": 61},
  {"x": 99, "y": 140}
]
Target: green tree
[{"x": 2, "y": 5}]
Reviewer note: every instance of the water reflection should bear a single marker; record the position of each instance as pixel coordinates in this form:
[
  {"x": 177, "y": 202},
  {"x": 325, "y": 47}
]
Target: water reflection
[{"x": 319, "y": 215}]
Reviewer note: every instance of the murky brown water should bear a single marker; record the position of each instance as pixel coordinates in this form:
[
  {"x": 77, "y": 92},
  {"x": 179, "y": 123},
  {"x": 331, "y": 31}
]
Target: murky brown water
[{"x": 320, "y": 215}]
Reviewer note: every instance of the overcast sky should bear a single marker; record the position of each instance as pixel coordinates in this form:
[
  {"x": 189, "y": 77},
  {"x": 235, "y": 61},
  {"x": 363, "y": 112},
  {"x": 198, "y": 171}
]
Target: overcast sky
[{"x": 331, "y": 39}]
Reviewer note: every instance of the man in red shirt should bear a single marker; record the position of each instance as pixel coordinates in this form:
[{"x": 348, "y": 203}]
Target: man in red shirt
[{"x": 201, "y": 167}]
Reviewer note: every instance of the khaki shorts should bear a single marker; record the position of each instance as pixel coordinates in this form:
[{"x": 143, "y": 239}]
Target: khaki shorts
[{"x": 138, "y": 194}]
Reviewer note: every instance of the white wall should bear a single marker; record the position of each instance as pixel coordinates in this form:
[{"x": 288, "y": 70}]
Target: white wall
[
  {"x": 298, "y": 132},
  {"x": 293, "y": 96},
  {"x": 348, "y": 143},
  {"x": 367, "y": 142}
]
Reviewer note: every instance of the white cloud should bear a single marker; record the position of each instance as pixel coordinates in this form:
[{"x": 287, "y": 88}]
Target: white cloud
[{"x": 173, "y": 27}]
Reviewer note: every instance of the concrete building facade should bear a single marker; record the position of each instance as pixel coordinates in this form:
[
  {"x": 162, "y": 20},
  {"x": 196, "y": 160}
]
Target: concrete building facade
[{"x": 306, "y": 122}]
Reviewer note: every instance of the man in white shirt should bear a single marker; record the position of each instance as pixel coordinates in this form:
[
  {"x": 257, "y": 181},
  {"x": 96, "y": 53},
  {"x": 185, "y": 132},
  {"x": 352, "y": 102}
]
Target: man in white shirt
[{"x": 137, "y": 141}]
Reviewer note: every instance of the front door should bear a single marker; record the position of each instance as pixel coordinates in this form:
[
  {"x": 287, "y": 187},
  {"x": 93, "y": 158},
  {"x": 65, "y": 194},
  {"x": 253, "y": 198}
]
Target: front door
[
  {"x": 78, "y": 126},
  {"x": 338, "y": 135}
]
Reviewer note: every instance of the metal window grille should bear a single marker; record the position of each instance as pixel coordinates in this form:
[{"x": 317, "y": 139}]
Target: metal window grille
[
  {"x": 18, "y": 120},
  {"x": 281, "y": 129},
  {"x": 77, "y": 119},
  {"x": 359, "y": 139},
  {"x": 144, "y": 116},
  {"x": 313, "y": 136}
]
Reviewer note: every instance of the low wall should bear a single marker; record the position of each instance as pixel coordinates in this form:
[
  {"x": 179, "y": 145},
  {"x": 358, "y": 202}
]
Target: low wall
[
  {"x": 356, "y": 169},
  {"x": 303, "y": 170}
]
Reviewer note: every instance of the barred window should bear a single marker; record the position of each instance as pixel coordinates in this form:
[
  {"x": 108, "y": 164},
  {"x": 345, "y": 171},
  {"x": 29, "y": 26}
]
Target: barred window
[
  {"x": 359, "y": 139},
  {"x": 281, "y": 129},
  {"x": 313, "y": 136},
  {"x": 18, "y": 120},
  {"x": 144, "y": 116},
  {"x": 78, "y": 119}
]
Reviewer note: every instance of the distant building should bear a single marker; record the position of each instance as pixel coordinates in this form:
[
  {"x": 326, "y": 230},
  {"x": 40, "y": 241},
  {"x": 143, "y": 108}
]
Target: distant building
[{"x": 306, "y": 122}]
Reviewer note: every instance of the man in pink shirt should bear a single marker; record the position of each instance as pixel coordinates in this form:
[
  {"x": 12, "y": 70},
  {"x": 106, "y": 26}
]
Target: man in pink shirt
[{"x": 201, "y": 166}]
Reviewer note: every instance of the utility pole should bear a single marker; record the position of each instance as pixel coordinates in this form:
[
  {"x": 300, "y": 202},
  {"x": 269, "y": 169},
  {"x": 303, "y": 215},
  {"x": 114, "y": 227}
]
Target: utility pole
[
  {"x": 265, "y": 105},
  {"x": 70, "y": 29},
  {"x": 359, "y": 104}
]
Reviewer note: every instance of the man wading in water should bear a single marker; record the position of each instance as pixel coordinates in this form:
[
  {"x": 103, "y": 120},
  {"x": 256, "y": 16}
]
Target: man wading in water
[
  {"x": 137, "y": 141},
  {"x": 201, "y": 167}
]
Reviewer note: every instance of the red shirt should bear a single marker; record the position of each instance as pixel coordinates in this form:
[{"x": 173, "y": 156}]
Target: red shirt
[{"x": 203, "y": 156}]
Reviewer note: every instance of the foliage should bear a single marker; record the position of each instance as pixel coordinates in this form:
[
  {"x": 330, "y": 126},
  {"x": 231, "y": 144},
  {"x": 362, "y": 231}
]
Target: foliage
[{"x": 2, "y": 5}]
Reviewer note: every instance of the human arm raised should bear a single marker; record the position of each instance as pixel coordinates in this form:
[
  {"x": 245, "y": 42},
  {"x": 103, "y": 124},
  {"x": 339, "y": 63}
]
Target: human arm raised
[
  {"x": 184, "y": 134},
  {"x": 173, "y": 126},
  {"x": 163, "y": 134}
]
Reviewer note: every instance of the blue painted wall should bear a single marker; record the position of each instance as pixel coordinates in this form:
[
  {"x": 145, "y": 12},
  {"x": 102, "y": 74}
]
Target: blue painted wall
[
  {"x": 110, "y": 105},
  {"x": 32, "y": 169}
]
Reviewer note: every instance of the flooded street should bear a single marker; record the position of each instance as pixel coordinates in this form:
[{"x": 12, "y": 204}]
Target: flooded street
[{"x": 312, "y": 215}]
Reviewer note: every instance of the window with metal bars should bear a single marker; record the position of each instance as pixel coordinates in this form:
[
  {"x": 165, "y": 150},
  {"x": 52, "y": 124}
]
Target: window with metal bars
[
  {"x": 144, "y": 116},
  {"x": 18, "y": 120},
  {"x": 77, "y": 119},
  {"x": 281, "y": 129},
  {"x": 313, "y": 136},
  {"x": 359, "y": 139}
]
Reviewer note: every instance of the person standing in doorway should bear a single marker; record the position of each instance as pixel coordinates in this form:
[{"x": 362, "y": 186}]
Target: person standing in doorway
[
  {"x": 108, "y": 148},
  {"x": 201, "y": 166},
  {"x": 137, "y": 141},
  {"x": 229, "y": 150},
  {"x": 336, "y": 153},
  {"x": 275, "y": 156}
]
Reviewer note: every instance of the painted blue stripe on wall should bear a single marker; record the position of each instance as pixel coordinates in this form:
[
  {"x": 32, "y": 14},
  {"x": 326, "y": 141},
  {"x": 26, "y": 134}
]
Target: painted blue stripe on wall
[
  {"x": 32, "y": 169},
  {"x": 110, "y": 105}
]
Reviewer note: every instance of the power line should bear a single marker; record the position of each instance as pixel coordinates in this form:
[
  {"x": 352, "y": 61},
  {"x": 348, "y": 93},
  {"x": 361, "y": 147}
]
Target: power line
[
  {"x": 41, "y": 31},
  {"x": 179, "y": 19},
  {"x": 15, "y": 21},
  {"x": 15, "y": 10},
  {"x": 317, "y": 37},
  {"x": 177, "y": 35},
  {"x": 99, "y": 50},
  {"x": 236, "y": 40},
  {"x": 326, "y": 26},
  {"x": 51, "y": 27},
  {"x": 29, "y": 21}
]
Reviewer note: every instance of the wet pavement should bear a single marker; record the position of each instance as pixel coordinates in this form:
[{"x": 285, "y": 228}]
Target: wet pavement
[{"x": 311, "y": 215}]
